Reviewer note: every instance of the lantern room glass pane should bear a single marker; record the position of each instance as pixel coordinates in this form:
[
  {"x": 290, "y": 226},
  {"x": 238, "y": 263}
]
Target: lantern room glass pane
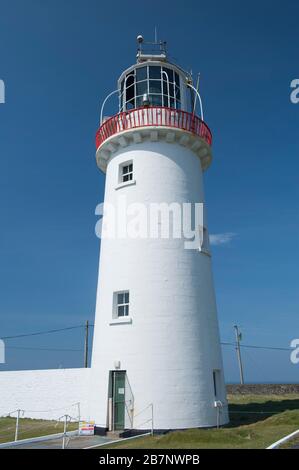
[
  {"x": 141, "y": 88},
  {"x": 166, "y": 101},
  {"x": 139, "y": 101},
  {"x": 130, "y": 104},
  {"x": 155, "y": 72},
  {"x": 155, "y": 86},
  {"x": 156, "y": 100},
  {"x": 171, "y": 89},
  {"x": 141, "y": 74},
  {"x": 129, "y": 79},
  {"x": 169, "y": 73},
  {"x": 165, "y": 87}
]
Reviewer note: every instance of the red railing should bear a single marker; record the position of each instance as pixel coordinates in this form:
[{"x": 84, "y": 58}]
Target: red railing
[{"x": 153, "y": 116}]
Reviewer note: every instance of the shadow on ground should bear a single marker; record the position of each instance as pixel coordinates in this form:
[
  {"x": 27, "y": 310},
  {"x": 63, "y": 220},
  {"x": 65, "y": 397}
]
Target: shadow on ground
[{"x": 248, "y": 413}]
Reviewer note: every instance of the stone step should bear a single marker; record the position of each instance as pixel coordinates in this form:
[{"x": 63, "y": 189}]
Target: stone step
[{"x": 114, "y": 434}]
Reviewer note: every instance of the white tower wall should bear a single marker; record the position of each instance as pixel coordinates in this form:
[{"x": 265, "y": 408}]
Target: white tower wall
[{"x": 170, "y": 345}]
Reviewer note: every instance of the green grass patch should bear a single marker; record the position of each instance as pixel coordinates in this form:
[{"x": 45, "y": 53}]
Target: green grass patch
[{"x": 256, "y": 421}]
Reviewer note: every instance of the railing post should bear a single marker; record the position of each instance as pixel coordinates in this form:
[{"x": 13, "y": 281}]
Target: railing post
[
  {"x": 17, "y": 425},
  {"x": 152, "y": 417}
]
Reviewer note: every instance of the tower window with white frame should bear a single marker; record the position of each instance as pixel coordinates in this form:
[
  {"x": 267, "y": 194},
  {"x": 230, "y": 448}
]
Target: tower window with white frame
[
  {"x": 122, "y": 304},
  {"x": 216, "y": 383},
  {"x": 126, "y": 172}
]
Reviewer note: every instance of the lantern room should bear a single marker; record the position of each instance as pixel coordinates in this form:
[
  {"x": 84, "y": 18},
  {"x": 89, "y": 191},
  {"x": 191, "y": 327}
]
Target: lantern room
[
  {"x": 153, "y": 81},
  {"x": 154, "y": 94}
]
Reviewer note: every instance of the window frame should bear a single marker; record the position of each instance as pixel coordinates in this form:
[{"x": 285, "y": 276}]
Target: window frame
[
  {"x": 124, "y": 304},
  {"x": 129, "y": 173},
  {"x": 204, "y": 241},
  {"x": 217, "y": 383}
]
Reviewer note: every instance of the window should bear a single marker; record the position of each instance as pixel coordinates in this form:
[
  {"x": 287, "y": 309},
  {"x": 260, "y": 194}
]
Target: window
[
  {"x": 123, "y": 304},
  {"x": 216, "y": 383},
  {"x": 126, "y": 172},
  {"x": 204, "y": 240}
]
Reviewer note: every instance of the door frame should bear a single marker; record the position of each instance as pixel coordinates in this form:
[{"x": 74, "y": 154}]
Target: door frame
[{"x": 112, "y": 395}]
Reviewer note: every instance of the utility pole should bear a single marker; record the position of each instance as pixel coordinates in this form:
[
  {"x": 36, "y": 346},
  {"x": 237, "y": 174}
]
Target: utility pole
[
  {"x": 238, "y": 349},
  {"x": 86, "y": 345}
]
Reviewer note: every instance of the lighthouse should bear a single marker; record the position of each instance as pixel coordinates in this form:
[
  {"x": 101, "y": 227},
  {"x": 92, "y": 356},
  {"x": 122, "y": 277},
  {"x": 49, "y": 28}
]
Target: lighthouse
[{"x": 156, "y": 359}]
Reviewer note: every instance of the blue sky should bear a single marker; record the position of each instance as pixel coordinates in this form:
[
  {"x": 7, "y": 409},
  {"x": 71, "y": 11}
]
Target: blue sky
[{"x": 58, "y": 60}]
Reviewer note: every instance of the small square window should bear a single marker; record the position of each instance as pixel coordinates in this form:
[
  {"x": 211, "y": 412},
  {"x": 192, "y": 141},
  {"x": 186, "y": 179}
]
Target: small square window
[
  {"x": 126, "y": 172},
  {"x": 122, "y": 304}
]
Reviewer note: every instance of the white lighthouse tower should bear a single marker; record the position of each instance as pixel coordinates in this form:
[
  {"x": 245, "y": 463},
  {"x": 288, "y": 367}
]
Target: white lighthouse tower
[{"x": 156, "y": 359}]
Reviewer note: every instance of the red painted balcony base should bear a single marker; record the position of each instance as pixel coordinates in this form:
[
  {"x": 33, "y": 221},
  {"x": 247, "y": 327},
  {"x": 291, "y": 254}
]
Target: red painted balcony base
[{"x": 153, "y": 116}]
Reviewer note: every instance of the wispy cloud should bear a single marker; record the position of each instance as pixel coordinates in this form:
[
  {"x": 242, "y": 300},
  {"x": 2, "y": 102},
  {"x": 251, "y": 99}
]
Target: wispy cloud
[{"x": 221, "y": 238}]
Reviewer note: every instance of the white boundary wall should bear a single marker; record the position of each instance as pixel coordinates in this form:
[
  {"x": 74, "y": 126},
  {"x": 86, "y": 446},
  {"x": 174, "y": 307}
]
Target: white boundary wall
[{"x": 45, "y": 394}]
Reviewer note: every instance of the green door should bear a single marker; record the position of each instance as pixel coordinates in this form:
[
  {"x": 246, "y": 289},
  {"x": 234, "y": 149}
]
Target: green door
[{"x": 119, "y": 378}]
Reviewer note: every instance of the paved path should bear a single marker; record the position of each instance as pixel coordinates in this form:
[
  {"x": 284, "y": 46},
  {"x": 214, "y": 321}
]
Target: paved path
[{"x": 75, "y": 442}]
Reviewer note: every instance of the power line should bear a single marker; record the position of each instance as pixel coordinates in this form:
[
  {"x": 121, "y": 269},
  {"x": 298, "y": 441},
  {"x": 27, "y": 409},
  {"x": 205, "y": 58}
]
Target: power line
[
  {"x": 44, "y": 332},
  {"x": 266, "y": 347},
  {"x": 253, "y": 346},
  {"x": 44, "y": 349}
]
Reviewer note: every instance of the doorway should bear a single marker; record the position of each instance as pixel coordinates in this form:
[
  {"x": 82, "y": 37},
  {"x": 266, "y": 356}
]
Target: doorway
[{"x": 118, "y": 398}]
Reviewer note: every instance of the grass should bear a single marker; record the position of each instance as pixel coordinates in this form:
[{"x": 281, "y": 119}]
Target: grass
[
  {"x": 256, "y": 422},
  {"x": 30, "y": 428}
]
